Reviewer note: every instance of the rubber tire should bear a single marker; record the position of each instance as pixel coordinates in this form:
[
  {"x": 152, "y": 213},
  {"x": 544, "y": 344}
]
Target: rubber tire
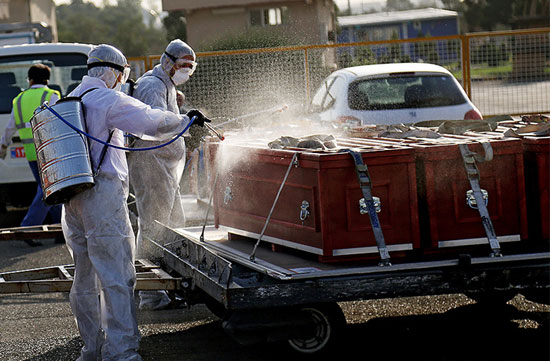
[{"x": 330, "y": 321}]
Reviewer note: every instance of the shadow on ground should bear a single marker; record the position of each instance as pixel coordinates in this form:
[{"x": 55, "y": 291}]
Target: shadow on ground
[{"x": 470, "y": 332}]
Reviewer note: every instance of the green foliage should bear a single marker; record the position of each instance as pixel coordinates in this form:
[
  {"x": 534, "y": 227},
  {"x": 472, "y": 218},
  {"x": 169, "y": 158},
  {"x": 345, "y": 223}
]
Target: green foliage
[
  {"x": 426, "y": 51},
  {"x": 397, "y": 5},
  {"x": 491, "y": 53},
  {"x": 487, "y": 15},
  {"x": 364, "y": 56},
  {"x": 252, "y": 39},
  {"x": 175, "y": 26},
  {"x": 120, "y": 25}
]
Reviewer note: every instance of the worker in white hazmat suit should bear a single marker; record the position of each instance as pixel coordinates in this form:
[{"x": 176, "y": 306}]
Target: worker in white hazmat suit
[
  {"x": 155, "y": 176},
  {"x": 95, "y": 222}
]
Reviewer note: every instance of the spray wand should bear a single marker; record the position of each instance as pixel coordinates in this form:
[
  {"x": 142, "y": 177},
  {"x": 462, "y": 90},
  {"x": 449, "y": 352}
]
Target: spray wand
[{"x": 213, "y": 130}]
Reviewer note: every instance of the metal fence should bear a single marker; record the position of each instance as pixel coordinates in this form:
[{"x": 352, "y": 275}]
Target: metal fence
[{"x": 502, "y": 72}]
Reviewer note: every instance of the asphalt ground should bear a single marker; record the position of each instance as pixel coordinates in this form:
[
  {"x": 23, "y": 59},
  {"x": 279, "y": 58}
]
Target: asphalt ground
[{"x": 447, "y": 327}]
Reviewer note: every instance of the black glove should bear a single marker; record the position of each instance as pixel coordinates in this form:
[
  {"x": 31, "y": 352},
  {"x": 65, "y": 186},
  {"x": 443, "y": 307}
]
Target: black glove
[{"x": 200, "y": 120}]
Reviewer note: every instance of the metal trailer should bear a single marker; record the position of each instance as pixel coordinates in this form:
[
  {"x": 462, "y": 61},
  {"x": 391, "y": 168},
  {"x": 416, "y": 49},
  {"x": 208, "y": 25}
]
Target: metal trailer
[
  {"x": 283, "y": 295},
  {"x": 278, "y": 294},
  {"x": 60, "y": 278}
]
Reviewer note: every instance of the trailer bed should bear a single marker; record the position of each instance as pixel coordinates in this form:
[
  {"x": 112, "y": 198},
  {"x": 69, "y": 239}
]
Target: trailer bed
[{"x": 222, "y": 268}]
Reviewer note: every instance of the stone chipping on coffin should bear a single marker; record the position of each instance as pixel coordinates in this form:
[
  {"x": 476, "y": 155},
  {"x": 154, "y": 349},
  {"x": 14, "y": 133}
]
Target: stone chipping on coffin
[{"x": 318, "y": 141}]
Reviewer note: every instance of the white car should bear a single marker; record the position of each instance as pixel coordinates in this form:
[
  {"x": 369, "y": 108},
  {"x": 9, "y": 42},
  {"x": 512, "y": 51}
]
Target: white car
[{"x": 391, "y": 94}]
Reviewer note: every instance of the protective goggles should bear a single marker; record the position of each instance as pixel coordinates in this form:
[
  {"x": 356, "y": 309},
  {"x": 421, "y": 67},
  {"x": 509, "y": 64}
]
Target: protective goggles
[
  {"x": 125, "y": 70},
  {"x": 183, "y": 63}
]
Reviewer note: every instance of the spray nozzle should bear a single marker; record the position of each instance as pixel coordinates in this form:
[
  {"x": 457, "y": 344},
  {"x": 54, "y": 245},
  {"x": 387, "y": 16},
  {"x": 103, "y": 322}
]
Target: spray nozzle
[{"x": 213, "y": 130}]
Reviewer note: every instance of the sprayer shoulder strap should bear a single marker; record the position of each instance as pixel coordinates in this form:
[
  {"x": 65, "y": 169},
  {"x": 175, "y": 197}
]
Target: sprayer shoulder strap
[
  {"x": 165, "y": 86},
  {"x": 104, "y": 150},
  {"x": 86, "y": 92}
]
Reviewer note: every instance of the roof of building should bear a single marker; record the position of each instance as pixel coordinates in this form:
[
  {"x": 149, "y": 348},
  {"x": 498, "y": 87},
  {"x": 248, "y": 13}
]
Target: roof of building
[
  {"x": 396, "y": 17},
  {"x": 214, "y": 4}
]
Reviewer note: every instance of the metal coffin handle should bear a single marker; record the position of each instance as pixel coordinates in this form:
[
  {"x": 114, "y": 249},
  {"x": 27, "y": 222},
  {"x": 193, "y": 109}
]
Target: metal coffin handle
[
  {"x": 471, "y": 200},
  {"x": 304, "y": 211},
  {"x": 227, "y": 195},
  {"x": 363, "y": 205}
]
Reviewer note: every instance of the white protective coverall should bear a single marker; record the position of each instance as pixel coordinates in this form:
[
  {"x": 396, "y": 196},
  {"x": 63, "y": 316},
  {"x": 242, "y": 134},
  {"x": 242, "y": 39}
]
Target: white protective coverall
[
  {"x": 96, "y": 224},
  {"x": 162, "y": 167}
]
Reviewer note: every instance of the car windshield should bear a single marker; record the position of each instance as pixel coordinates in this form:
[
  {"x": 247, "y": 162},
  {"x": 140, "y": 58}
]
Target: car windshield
[
  {"x": 66, "y": 72},
  {"x": 404, "y": 91}
]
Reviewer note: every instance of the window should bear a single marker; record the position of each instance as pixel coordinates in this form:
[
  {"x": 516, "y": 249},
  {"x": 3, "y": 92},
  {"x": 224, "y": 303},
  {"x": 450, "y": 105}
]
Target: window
[
  {"x": 404, "y": 91},
  {"x": 327, "y": 93},
  {"x": 64, "y": 68},
  {"x": 269, "y": 16},
  {"x": 318, "y": 101},
  {"x": 336, "y": 89},
  {"x": 383, "y": 33},
  {"x": 255, "y": 18}
]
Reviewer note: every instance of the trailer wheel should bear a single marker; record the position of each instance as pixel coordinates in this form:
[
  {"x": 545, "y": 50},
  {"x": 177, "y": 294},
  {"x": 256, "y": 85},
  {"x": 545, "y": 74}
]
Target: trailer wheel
[
  {"x": 328, "y": 322},
  {"x": 216, "y": 308}
]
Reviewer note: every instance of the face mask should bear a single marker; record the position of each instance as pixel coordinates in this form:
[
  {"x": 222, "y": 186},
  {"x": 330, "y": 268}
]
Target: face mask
[{"x": 181, "y": 76}]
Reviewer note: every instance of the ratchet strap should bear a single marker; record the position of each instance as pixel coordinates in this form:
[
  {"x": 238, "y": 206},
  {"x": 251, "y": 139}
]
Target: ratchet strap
[
  {"x": 469, "y": 158},
  {"x": 293, "y": 162},
  {"x": 366, "y": 188}
]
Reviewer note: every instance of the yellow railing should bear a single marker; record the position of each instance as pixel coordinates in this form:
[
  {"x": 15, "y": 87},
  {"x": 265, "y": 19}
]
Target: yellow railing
[{"x": 504, "y": 72}]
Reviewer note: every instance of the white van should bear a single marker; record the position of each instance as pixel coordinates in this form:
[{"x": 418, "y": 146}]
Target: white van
[{"x": 68, "y": 66}]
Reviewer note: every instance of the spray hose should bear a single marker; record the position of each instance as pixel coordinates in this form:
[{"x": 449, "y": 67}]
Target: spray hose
[{"x": 116, "y": 146}]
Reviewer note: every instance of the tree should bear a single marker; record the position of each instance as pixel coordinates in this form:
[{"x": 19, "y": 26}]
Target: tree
[
  {"x": 487, "y": 15},
  {"x": 120, "y": 25},
  {"x": 78, "y": 22},
  {"x": 397, "y": 5},
  {"x": 176, "y": 26}
]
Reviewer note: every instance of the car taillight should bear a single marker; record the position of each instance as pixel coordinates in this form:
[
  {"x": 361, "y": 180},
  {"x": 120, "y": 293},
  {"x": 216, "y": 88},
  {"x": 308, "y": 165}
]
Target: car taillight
[
  {"x": 473, "y": 115},
  {"x": 349, "y": 120}
]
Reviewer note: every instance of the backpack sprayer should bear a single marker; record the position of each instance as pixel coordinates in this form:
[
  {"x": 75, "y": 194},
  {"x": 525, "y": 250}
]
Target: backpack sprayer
[{"x": 62, "y": 149}]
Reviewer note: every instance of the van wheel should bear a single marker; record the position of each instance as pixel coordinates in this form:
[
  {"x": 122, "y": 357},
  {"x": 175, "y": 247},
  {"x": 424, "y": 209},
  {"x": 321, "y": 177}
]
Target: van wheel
[{"x": 328, "y": 323}]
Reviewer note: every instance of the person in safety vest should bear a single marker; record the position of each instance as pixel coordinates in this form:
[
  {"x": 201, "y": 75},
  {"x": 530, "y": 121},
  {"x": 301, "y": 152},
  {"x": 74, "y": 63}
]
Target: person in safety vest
[
  {"x": 95, "y": 222},
  {"x": 23, "y": 109},
  {"x": 155, "y": 175}
]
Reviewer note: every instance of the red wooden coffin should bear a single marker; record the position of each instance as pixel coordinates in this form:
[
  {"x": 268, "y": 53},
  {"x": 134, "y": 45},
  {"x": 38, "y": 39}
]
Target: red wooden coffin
[
  {"x": 330, "y": 224},
  {"x": 537, "y": 178},
  {"x": 448, "y": 220}
]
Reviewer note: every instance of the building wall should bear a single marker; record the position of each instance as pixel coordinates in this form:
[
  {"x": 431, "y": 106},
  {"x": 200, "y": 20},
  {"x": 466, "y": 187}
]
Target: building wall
[
  {"x": 405, "y": 30},
  {"x": 436, "y": 27},
  {"x": 17, "y": 11},
  {"x": 309, "y": 21},
  {"x": 29, "y": 11},
  {"x": 44, "y": 11}
]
